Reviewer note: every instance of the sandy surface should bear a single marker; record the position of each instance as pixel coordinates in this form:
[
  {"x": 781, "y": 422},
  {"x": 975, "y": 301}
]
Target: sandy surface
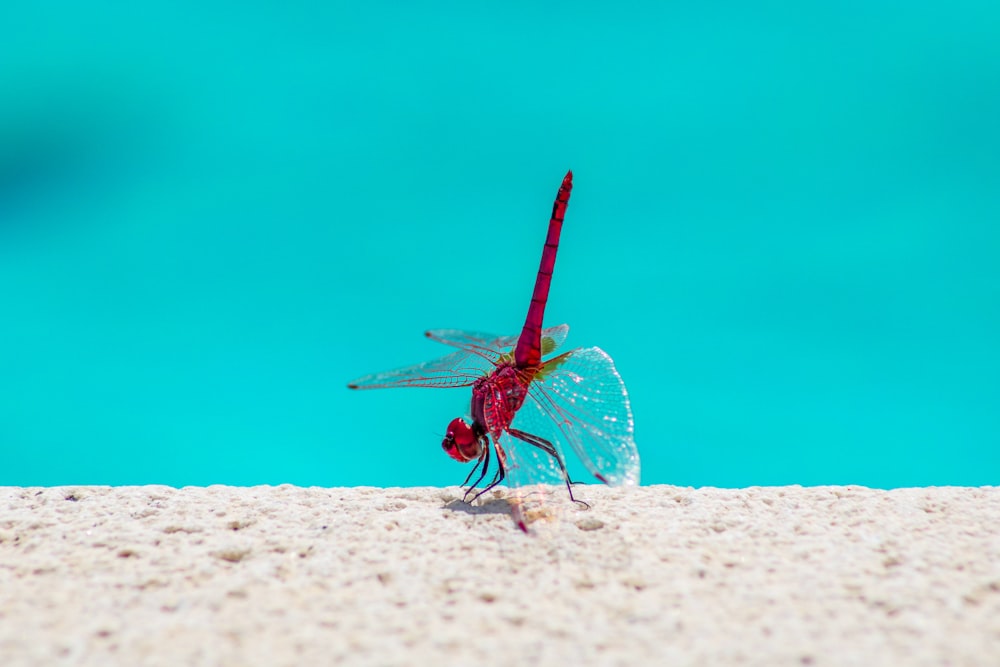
[{"x": 655, "y": 575}]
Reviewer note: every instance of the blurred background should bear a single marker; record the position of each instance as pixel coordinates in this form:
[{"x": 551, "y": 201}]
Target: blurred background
[{"x": 785, "y": 229}]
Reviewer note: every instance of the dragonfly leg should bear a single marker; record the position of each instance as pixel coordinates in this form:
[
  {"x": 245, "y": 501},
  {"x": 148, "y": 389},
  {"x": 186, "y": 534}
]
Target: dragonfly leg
[
  {"x": 499, "y": 477},
  {"x": 484, "y": 456},
  {"x": 547, "y": 447}
]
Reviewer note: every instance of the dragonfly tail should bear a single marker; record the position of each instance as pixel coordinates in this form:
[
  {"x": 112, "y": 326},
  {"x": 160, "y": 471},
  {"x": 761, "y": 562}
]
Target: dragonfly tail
[{"x": 529, "y": 346}]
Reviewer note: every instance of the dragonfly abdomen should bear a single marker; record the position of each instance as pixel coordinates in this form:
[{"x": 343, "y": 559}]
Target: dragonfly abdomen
[{"x": 529, "y": 346}]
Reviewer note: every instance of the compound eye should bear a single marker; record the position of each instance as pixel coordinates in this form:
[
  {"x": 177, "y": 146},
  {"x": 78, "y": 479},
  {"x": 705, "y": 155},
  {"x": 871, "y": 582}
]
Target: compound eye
[
  {"x": 460, "y": 442},
  {"x": 461, "y": 432}
]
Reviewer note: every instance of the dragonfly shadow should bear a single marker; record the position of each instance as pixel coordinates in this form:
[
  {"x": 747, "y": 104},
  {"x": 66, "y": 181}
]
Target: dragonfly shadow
[{"x": 492, "y": 506}]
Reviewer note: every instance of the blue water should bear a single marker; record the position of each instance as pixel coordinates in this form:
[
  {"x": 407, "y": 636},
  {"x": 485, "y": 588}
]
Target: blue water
[{"x": 785, "y": 229}]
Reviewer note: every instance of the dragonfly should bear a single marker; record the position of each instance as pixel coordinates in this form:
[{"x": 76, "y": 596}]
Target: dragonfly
[{"x": 528, "y": 403}]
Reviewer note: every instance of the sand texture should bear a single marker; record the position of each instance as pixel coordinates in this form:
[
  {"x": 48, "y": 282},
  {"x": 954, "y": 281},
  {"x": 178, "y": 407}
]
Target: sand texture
[{"x": 655, "y": 575}]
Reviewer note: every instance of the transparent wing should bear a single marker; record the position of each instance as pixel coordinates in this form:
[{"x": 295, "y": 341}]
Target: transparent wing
[
  {"x": 486, "y": 345},
  {"x": 493, "y": 347},
  {"x": 528, "y": 465},
  {"x": 585, "y": 400},
  {"x": 536, "y": 482},
  {"x": 525, "y": 464},
  {"x": 553, "y": 338},
  {"x": 458, "y": 369}
]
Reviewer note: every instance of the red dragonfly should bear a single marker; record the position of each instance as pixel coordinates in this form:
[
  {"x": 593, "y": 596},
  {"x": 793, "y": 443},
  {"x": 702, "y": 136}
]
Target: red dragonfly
[{"x": 526, "y": 404}]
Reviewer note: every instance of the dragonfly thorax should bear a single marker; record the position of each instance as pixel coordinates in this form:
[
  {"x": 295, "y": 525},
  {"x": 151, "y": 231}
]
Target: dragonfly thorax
[
  {"x": 461, "y": 442},
  {"x": 498, "y": 396}
]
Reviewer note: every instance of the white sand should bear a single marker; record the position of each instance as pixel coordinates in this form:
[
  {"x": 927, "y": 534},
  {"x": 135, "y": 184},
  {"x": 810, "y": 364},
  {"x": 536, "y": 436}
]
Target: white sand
[{"x": 657, "y": 575}]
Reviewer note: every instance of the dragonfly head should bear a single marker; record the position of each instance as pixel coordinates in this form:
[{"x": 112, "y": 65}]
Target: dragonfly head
[{"x": 461, "y": 442}]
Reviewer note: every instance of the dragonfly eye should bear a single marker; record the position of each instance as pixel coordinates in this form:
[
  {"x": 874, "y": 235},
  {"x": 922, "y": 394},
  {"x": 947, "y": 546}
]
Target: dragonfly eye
[{"x": 460, "y": 442}]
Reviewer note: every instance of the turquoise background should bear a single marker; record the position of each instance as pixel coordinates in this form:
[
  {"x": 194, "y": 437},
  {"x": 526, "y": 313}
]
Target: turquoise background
[{"x": 785, "y": 229}]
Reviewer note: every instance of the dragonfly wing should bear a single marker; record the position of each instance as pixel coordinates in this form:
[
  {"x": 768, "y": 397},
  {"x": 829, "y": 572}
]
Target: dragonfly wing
[
  {"x": 495, "y": 346},
  {"x": 585, "y": 399},
  {"x": 525, "y": 464},
  {"x": 534, "y": 470},
  {"x": 535, "y": 479},
  {"x": 483, "y": 344},
  {"x": 458, "y": 369},
  {"x": 553, "y": 338}
]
